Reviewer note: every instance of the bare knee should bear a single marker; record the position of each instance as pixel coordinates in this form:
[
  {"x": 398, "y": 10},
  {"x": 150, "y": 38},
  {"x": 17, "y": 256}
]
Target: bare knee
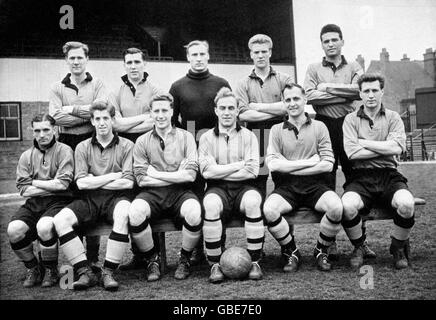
[
  {"x": 351, "y": 205},
  {"x": 335, "y": 210},
  {"x": 64, "y": 220},
  {"x": 121, "y": 212},
  {"x": 17, "y": 230},
  {"x": 406, "y": 209},
  {"x": 251, "y": 205},
  {"x": 271, "y": 211},
  {"x": 137, "y": 213},
  {"x": 191, "y": 211},
  {"x": 45, "y": 228},
  {"x": 212, "y": 206}
]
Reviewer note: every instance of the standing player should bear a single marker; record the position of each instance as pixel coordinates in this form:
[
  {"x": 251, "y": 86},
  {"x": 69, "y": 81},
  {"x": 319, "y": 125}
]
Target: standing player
[
  {"x": 260, "y": 98},
  {"x": 104, "y": 176},
  {"x": 229, "y": 161},
  {"x": 69, "y": 103},
  {"x": 300, "y": 156},
  {"x": 332, "y": 89},
  {"x": 373, "y": 136},
  {"x": 44, "y": 174},
  {"x": 194, "y": 96},
  {"x": 165, "y": 165},
  {"x": 132, "y": 114}
]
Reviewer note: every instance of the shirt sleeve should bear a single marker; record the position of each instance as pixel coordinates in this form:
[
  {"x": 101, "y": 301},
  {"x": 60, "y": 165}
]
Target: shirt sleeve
[
  {"x": 396, "y": 131},
  {"x": 24, "y": 172},
  {"x": 325, "y": 150},
  {"x": 241, "y": 93},
  {"x": 191, "y": 152},
  {"x": 81, "y": 161},
  {"x": 314, "y": 96},
  {"x": 351, "y": 138},
  {"x": 113, "y": 100},
  {"x": 349, "y": 90},
  {"x": 205, "y": 154},
  {"x": 62, "y": 118},
  {"x": 274, "y": 145},
  {"x": 127, "y": 167},
  {"x": 251, "y": 152},
  {"x": 65, "y": 171},
  {"x": 140, "y": 159}
]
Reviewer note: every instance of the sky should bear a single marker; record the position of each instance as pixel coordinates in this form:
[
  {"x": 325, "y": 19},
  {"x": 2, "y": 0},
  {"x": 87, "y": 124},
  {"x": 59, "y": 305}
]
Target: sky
[{"x": 400, "y": 26}]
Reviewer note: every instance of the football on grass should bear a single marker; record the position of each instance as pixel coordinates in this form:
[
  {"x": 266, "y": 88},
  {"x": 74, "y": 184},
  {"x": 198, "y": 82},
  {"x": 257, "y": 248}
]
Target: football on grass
[{"x": 235, "y": 263}]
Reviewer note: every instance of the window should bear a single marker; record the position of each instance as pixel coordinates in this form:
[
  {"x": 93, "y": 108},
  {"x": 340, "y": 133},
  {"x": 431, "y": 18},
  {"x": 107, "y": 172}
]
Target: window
[{"x": 10, "y": 121}]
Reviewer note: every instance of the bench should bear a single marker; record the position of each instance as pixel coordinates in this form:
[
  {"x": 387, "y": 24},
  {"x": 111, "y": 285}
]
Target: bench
[{"x": 300, "y": 216}]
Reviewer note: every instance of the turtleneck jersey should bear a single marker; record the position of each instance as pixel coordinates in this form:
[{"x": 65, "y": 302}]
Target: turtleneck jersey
[{"x": 194, "y": 96}]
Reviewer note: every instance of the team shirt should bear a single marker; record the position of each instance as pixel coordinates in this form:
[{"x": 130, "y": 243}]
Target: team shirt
[
  {"x": 336, "y": 102},
  {"x": 287, "y": 141},
  {"x": 386, "y": 126},
  {"x": 65, "y": 93},
  {"x": 164, "y": 155},
  {"x": 56, "y": 162},
  {"x": 91, "y": 157},
  {"x": 221, "y": 148},
  {"x": 129, "y": 101}
]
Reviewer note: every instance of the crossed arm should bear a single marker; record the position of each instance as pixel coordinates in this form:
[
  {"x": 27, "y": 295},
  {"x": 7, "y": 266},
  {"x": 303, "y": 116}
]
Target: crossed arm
[
  {"x": 109, "y": 181},
  {"x": 313, "y": 165},
  {"x": 372, "y": 149}
]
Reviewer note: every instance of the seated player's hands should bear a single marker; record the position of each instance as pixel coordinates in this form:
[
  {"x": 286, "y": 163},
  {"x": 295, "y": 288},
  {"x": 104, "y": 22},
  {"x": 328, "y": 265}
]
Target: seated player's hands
[
  {"x": 183, "y": 164},
  {"x": 315, "y": 158},
  {"x": 239, "y": 165}
]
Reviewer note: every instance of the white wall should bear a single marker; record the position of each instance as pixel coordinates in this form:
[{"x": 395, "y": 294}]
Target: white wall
[{"x": 30, "y": 79}]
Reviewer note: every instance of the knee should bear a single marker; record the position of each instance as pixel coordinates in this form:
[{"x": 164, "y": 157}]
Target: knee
[
  {"x": 137, "y": 214},
  {"x": 350, "y": 208},
  {"x": 335, "y": 210},
  {"x": 45, "y": 228},
  {"x": 16, "y": 230},
  {"x": 252, "y": 207},
  {"x": 193, "y": 218},
  {"x": 271, "y": 212},
  {"x": 121, "y": 215},
  {"x": 406, "y": 209},
  {"x": 212, "y": 208},
  {"x": 62, "y": 221}
]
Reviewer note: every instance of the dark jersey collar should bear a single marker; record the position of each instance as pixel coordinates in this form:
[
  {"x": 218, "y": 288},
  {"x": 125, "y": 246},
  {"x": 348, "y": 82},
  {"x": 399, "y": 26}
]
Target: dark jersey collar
[
  {"x": 67, "y": 81},
  {"x": 216, "y": 129},
  {"x": 51, "y": 144},
  {"x": 272, "y": 72},
  {"x": 326, "y": 63},
  {"x": 115, "y": 140},
  {"x": 288, "y": 125},
  {"x": 126, "y": 80}
]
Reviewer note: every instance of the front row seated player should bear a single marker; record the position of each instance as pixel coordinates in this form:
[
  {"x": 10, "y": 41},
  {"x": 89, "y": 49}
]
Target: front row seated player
[
  {"x": 373, "y": 136},
  {"x": 105, "y": 178},
  {"x": 229, "y": 161},
  {"x": 165, "y": 166},
  {"x": 44, "y": 173},
  {"x": 300, "y": 157}
]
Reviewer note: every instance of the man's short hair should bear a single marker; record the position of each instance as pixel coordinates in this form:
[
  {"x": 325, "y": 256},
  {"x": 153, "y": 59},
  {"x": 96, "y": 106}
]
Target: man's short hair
[
  {"x": 224, "y": 92},
  {"x": 162, "y": 97},
  {"x": 101, "y": 106},
  {"x": 75, "y": 45},
  {"x": 371, "y": 77},
  {"x": 292, "y": 86},
  {"x": 197, "y": 43},
  {"x": 260, "y": 39},
  {"x": 43, "y": 117},
  {"x": 133, "y": 51},
  {"x": 330, "y": 28}
]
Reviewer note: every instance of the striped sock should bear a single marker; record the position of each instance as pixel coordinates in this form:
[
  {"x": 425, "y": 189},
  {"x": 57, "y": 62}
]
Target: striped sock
[
  {"x": 142, "y": 236},
  {"x": 328, "y": 231},
  {"x": 353, "y": 229},
  {"x": 280, "y": 231},
  {"x": 73, "y": 249},
  {"x": 402, "y": 227},
  {"x": 49, "y": 251},
  {"x": 212, "y": 232},
  {"x": 24, "y": 251},
  {"x": 190, "y": 236},
  {"x": 116, "y": 245},
  {"x": 255, "y": 232}
]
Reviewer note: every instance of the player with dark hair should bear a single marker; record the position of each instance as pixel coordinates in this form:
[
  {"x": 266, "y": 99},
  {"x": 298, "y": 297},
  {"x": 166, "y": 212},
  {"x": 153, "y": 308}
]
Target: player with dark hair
[
  {"x": 229, "y": 161},
  {"x": 165, "y": 165},
  {"x": 69, "y": 103},
  {"x": 331, "y": 87},
  {"x": 373, "y": 136},
  {"x": 44, "y": 173},
  {"x": 105, "y": 178},
  {"x": 300, "y": 158}
]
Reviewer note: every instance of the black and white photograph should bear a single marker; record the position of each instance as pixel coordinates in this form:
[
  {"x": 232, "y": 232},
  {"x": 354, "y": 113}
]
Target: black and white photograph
[{"x": 216, "y": 159}]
